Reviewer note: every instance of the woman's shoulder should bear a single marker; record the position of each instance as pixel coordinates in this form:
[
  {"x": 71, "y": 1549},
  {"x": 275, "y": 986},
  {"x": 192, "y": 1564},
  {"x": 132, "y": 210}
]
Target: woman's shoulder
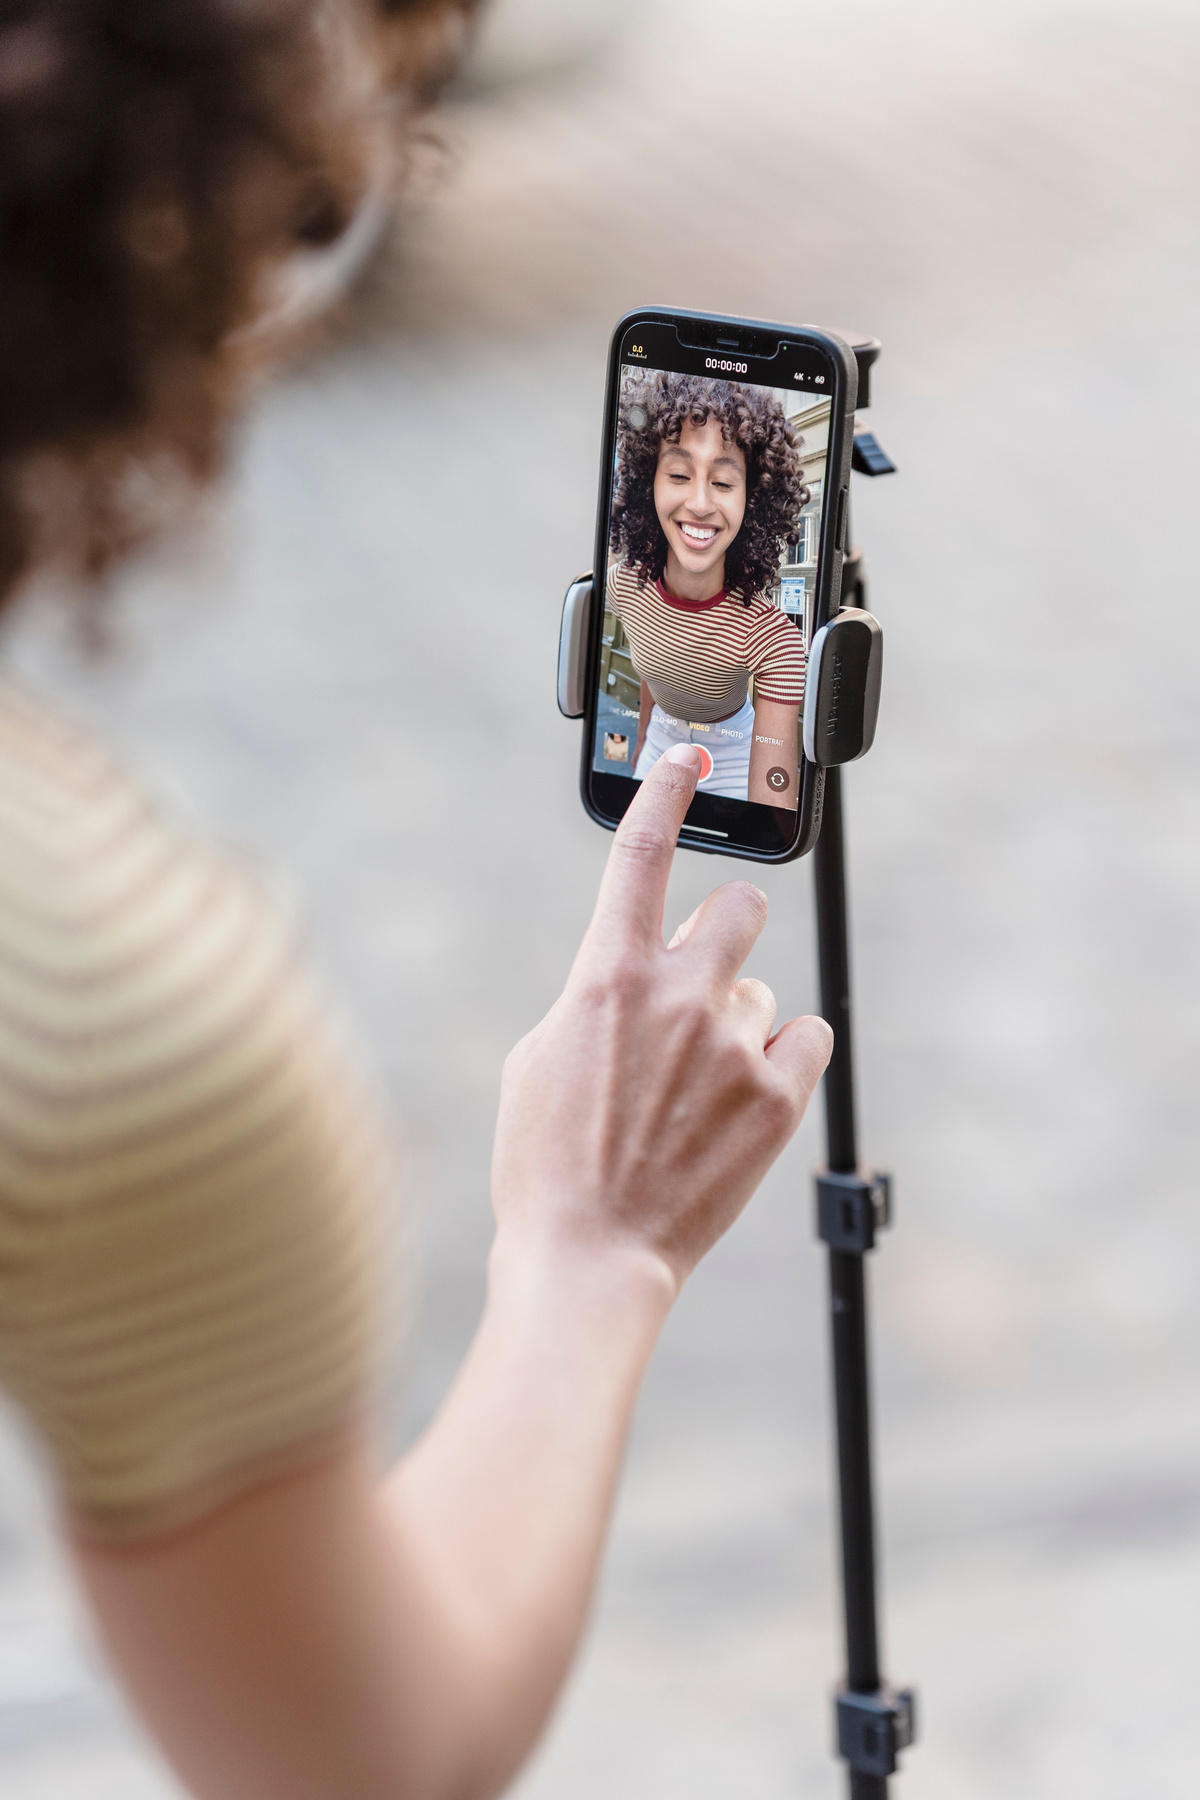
[
  {"x": 624, "y": 581},
  {"x": 98, "y": 890},
  {"x": 159, "y": 1025},
  {"x": 764, "y": 618},
  {"x": 754, "y": 606},
  {"x": 54, "y": 775},
  {"x": 182, "y": 1131}
]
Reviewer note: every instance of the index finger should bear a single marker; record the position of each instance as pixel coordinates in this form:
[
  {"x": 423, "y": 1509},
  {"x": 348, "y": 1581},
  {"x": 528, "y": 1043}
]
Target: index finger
[{"x": 634, "y": 889}]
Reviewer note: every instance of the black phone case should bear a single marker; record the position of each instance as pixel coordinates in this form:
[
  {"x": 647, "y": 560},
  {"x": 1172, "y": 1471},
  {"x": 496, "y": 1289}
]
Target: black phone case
[{"x": 829, "y": 584}]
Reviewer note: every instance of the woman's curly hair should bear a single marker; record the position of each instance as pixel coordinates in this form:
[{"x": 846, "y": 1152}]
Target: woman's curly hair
[
  {"x": 158, "y": 158},
  {"x": 654, "y": 408}
]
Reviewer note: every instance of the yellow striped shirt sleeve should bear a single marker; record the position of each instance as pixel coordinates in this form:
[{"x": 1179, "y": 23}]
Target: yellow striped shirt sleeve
[{"x": 189, "y": 1165}]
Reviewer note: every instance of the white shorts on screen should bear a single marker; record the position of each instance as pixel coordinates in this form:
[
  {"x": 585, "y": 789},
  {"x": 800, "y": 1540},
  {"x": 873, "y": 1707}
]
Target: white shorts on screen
[{"x": 726, "y": 740}]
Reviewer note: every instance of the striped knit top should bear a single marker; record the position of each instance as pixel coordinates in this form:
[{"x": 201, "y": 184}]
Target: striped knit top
[
  {"x": 186, "y": 1159},
  {"x": 697, "y": 656}
]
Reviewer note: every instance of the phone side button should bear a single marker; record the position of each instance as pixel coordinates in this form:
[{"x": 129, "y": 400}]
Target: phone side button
[{"x": 839, "y": 540}]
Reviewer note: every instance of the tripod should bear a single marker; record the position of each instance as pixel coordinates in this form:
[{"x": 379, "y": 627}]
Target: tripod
[{"x": 874, "y": 1720}]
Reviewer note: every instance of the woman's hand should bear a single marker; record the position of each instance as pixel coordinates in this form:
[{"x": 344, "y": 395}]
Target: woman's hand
[{"x": 638, "y": 1118}]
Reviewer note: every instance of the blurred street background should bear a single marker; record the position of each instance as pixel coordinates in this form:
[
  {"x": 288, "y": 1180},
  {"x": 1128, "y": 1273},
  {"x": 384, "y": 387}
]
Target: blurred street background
[{"x": 352, "y": 679}]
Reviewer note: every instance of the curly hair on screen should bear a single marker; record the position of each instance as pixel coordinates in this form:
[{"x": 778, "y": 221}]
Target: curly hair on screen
[
  {"x": 654, "y": 408},
  {"x": 157, "y": 160}
]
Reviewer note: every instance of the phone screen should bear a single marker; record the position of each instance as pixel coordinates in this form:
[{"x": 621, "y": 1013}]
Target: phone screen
[{"x": 712, "y": 540}]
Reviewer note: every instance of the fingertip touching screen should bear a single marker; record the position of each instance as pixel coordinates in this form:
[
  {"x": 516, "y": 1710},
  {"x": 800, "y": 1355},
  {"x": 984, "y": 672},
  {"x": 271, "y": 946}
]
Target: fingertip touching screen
[{"x": 712, "y": 536}]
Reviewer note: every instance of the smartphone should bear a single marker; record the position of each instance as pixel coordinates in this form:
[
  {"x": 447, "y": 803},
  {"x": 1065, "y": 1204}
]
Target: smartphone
[{"x": 719, "y": 540}]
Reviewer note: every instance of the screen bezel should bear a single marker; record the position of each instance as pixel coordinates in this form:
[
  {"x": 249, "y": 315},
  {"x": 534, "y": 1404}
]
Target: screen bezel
[{"x": 716, "y": 825}]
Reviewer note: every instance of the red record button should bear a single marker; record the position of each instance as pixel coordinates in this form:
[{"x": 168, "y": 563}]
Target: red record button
[{"x": 706, "y": 762}]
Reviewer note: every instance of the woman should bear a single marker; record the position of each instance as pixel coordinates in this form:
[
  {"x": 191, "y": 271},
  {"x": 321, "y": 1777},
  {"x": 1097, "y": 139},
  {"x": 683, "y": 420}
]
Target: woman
[
  {"x": 188, "y": 1162},
  {"x": 709, "y": 490}
]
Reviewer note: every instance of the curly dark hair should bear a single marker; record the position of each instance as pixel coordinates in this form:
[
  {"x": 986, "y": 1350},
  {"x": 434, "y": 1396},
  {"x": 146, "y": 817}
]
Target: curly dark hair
[
  {"x": 655, "y": 406},
  {"x": 157, "y": 159}
]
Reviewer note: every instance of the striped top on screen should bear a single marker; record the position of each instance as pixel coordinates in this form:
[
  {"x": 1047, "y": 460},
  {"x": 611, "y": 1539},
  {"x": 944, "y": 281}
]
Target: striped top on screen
[
  {"x": 186, "y": 1160},
  {"x": 697, "y": 656}
]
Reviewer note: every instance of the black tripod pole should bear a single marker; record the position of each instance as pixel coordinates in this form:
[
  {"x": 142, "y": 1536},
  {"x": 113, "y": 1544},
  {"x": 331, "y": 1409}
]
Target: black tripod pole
[
  {"x": 874, "y": 1720},
  {"x": 846, "y": 1284},
  {"x": 833, "y": 950}
]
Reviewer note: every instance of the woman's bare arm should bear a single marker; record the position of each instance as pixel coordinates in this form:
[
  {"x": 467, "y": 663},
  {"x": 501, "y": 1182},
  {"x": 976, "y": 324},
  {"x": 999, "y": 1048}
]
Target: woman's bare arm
[
  {"x": 774, "y": 747},
  {"x": 326, "y": 1635}
]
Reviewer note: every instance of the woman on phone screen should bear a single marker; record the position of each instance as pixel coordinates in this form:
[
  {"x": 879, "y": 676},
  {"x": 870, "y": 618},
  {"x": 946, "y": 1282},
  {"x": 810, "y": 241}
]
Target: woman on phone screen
[{"x": 710, "y": 488}]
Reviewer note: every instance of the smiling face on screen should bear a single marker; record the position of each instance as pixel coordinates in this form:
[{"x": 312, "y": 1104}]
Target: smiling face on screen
[{"x": 700, "y": 499}]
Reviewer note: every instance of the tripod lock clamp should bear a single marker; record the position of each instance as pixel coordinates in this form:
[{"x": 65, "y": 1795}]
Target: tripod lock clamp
[
  {"x": 841, "y": 697},
  {"x": 873, "y": 1728},
  {"x": 851, "y": 1208}
]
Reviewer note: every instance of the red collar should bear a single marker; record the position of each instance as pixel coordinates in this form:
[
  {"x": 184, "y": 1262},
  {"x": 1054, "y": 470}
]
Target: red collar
[{"x": 687, "y": 605}]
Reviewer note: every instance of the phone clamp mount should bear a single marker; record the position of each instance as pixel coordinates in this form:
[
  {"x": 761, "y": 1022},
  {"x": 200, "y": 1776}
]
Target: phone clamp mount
[{"x": 873, "y": 1720}]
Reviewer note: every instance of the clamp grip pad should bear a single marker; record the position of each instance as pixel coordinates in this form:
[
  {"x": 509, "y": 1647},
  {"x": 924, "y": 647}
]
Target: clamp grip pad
[
  {"x": 573, "y": 648},
  {"x": 841, "y": 689}
]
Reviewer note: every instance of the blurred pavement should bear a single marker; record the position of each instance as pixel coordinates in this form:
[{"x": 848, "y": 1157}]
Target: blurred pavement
[{"x": 1007, "y": 195}]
